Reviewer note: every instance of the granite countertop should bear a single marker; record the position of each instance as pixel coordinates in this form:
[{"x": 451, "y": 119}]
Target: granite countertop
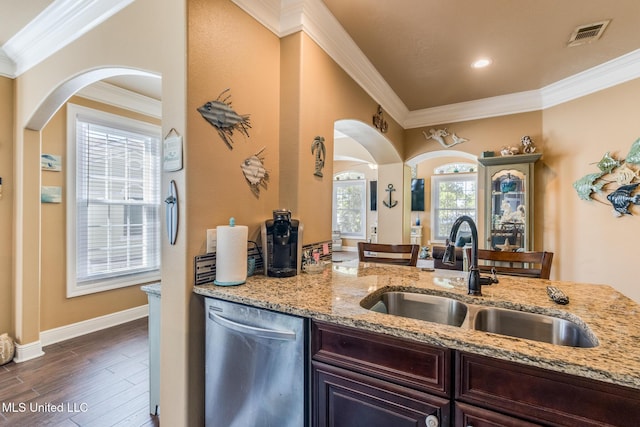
[{"x": 335, "y": 295}]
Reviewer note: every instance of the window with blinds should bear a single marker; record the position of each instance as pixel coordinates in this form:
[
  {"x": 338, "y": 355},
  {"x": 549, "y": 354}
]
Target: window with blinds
[{"x": 114, "y": 201}]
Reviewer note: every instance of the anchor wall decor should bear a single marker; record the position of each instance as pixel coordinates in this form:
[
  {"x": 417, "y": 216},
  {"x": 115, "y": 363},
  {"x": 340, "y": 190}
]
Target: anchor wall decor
[{"x": 391, "y": 203}]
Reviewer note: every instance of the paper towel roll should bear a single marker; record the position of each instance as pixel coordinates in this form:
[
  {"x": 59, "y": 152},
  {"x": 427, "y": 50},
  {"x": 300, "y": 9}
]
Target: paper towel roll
[{"x": 231, "y": 254}]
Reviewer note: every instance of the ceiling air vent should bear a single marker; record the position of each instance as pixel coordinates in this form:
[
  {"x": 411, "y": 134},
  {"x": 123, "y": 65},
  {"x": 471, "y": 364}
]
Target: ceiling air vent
[{"x": 587, "y": 33}]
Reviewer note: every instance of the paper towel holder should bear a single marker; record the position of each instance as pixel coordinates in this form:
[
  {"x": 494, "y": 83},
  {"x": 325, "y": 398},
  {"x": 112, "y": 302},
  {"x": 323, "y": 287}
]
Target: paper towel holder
[{"x": 172, "y": 212}]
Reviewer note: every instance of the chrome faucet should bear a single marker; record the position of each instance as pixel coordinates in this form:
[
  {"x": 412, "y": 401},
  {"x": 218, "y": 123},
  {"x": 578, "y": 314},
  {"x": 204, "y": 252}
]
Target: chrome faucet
[{"x": 475, "y": 281}]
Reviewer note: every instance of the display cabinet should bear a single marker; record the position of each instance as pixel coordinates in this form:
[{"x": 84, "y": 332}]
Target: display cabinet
[{"x": 508, "y": 185}]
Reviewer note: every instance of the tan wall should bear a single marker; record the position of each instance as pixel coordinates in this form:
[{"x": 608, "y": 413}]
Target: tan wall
[
  {"x": 590, "y": 245},
  {"x": 484, "y": 135},
  {"x": 6, "y": 204},
  {"x": 56, "y": 309},
  {"x": 326, "y": 94}
]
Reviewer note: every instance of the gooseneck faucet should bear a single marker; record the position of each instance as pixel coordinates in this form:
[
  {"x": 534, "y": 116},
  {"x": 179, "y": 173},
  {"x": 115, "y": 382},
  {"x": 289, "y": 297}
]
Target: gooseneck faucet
[{"x": 475, "y": 281}]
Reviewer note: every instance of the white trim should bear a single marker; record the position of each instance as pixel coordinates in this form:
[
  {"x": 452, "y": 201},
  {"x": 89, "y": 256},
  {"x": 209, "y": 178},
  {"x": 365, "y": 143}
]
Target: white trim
[
  {"x": 113, "y": 95},
  {"x": 62, "y": 22},
  {"x": 73, "y": 330},
  {"x": 29, "y": 351},
  {"x": 7, "y": 66}
]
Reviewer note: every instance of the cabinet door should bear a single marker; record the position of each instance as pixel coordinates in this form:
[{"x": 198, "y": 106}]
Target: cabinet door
[
  {"x": 346, "y": 399},
  {"x": 472, "y": 416}
]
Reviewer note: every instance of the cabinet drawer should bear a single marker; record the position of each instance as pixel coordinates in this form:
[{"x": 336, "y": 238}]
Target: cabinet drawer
[
  {"x": 472, "y": 416},
  {"x": 540, "y": 395},
  {"x": 346, "y": 399},
  {"x": 404, "y": 362}
]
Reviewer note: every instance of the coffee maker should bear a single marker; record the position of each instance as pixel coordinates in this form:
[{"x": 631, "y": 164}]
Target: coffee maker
[{"x": 282, "y": 244}]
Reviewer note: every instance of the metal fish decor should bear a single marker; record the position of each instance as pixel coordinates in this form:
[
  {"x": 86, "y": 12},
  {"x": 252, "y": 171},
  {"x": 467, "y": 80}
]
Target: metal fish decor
[
  {"x": 255, "y": 172},
  {"x": 612, "y": 172},
  {"x": 221, "y": 116},
  {"x": 621, "y": 198}
]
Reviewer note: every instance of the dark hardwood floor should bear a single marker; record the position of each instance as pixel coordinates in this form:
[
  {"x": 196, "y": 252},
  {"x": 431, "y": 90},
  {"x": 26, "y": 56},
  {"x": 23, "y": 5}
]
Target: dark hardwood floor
[{"x": 99, "y": 379}]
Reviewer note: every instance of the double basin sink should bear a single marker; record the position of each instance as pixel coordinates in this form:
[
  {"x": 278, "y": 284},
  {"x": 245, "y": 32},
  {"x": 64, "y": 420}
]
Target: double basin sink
[{"x": 514, "y": 323}]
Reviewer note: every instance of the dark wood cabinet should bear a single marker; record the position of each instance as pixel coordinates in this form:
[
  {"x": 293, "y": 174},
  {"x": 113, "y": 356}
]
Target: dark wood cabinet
[
  {"x": 347, "y": 399},
  {"x": 542, "y": 396},
  {"x": 366, "y": 379},
  {"x": 369, "y": 379}
]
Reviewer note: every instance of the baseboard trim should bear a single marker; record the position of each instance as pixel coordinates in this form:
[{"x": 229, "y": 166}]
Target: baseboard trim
[
  {"x": 28, "y": 351},
  {"x": 73, "y": 330}
]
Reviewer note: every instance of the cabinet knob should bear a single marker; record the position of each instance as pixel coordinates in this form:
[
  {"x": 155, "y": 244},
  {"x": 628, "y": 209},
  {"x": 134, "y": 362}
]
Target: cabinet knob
[{"x": 431, "y": 421}]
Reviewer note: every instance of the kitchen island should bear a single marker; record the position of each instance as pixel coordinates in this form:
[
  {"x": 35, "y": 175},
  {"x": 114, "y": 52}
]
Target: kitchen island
[{"x": 334, "y": 297}]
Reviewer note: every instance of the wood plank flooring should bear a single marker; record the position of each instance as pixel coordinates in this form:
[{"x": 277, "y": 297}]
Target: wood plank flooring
[{"x": 99, "y": 379}]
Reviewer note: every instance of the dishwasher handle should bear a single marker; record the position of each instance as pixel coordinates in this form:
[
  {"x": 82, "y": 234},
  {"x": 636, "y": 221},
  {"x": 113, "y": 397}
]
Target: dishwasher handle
[{"x": 252, "y": 330}]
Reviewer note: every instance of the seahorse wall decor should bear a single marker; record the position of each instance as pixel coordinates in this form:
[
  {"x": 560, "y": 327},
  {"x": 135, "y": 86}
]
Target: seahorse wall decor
[
  {"x": 318, "y": 148},
  {"x": 613, "y": 172}
]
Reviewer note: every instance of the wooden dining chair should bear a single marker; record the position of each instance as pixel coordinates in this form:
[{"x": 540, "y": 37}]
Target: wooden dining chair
[
  {"x": 380, "y": 248},
  {"x": 523, "y": 264}
]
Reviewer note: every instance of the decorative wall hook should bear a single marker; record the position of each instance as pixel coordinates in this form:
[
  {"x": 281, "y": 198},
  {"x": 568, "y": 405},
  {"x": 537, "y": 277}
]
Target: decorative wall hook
[
  {"x": 318, "y": 148},
  {"x": 379, "y": 122},
  {"x": 392, "y": 203},
  {"x": 221, "y": 116}
]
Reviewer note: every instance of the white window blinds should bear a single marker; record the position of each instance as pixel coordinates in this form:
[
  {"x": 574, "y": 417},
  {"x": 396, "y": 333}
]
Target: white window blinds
[{"x": 117, "y": 201}]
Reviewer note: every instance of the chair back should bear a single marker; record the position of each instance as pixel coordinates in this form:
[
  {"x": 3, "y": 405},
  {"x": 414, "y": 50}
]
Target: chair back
[
  {"x": 437, "y": 252},
  {"x": 410, "y": 252},
  {"x": 524, "y": 264}
]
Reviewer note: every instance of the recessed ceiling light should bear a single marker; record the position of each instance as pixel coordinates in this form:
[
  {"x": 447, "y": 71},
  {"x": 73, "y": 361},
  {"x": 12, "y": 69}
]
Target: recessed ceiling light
[{"x": 481, "y": 63}]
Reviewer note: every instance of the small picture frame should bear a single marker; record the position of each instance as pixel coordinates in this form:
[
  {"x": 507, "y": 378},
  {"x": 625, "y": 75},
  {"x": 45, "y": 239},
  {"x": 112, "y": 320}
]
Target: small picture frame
[
  {"x": 51, "y": 162},
  {"x": 50, "y": 194},
  {"x": 172, "y": 151}
]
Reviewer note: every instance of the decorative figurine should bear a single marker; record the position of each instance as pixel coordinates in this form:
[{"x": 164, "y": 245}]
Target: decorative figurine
[
  {"x": 392, "y": 203},
  {"x": 621, "y": 198},
  {"x": 255, "y": 172},
  {"x": 634, "y": 153},
  {"x": 320, "y": 152},
  {"x": 424, "y": 252},
  {"x": 509, "y": 151},
  {"x": 221, "y": 116},
  {"x": 380, "y": 123},
  {"x": 440, "y": 134},
  {"x": 527, "y": 145}
]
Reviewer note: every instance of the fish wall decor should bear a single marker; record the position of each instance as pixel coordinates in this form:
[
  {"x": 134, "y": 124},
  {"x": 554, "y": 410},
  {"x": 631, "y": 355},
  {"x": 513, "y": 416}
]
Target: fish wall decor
[
  {"x": 255, "y": 172},
  {"x": 613, "y": 172},
  {"x": 221, "y": 116}
]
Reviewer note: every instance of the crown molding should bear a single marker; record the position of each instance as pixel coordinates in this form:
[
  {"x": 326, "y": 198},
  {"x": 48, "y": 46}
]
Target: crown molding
[
  {"x": 313, "y": 17},
  {"x": 113, "y": 95},
  {"x": 62, "y": 22},
  {"x": 7, "y": 66},
  {"x": 603, "y": 76}
]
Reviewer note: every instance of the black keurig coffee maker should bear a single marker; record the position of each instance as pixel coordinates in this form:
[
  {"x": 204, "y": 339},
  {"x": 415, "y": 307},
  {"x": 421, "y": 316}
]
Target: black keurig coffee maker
[{"x": 282, "y": 244}]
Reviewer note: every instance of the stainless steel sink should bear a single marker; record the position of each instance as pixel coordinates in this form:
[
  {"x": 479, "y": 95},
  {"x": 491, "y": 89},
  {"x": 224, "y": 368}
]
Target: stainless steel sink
[
  {"x": 431, "y": 308},
  {"x": 502, "y": 321},
  {"x": 532, "y": 326}
]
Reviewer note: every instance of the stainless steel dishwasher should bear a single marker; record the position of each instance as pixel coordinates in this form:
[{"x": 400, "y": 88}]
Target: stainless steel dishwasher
[{"x": 256, "y": 372}]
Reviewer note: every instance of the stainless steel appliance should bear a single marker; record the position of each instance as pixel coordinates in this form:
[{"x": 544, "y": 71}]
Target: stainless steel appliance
[
  {"x": 282, "y": 244},
  {"x": 255, "y": 367}
]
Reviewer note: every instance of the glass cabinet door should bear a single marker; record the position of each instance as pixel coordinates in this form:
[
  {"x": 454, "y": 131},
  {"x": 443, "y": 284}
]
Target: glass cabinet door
[
  {"x": 508, "y": 186},
  {"x": 508, "y": 210}
]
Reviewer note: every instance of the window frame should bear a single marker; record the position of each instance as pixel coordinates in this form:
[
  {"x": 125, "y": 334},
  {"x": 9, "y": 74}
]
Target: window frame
[
  {"x": 362, "y": 186},
  {"x": 436, "y": 179},
  {"x": 110, "y": 281}
]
